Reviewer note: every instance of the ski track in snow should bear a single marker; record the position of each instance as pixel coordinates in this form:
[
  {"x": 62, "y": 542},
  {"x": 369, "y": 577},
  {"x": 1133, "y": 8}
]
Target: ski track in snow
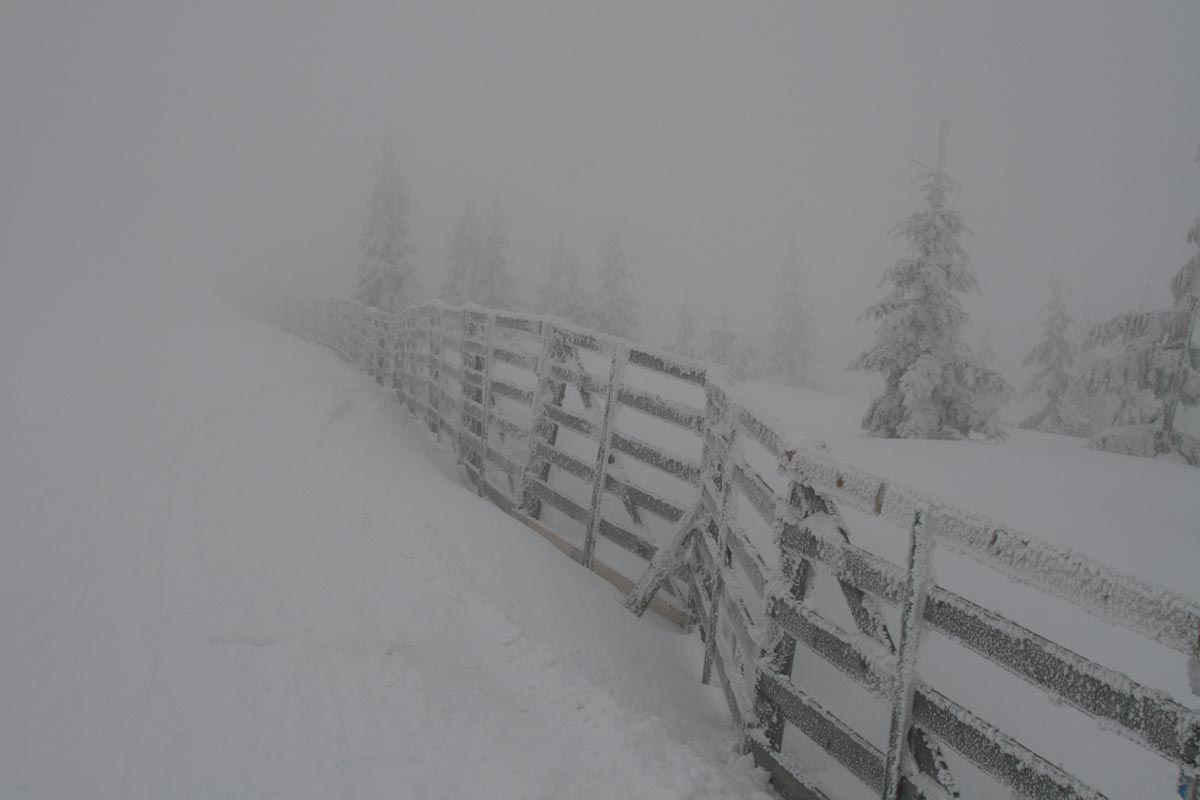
[{"x": 236, "y": 568}]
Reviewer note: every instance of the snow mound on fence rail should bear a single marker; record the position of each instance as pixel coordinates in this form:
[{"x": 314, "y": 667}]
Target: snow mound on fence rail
[{"x": 234, "y": 568}]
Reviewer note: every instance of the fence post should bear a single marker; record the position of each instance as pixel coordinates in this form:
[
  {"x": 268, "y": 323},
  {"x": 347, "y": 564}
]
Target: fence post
[
  {"x": 486, "y": 394},
  {"x": 391, "y": 346},
  {"x": 423, "y": 342},
  {"x": 616, "y": 373},
  {"x": 720, "y": 429},
  {"x": 920, "y": 547},
  {"x": 464, "y": 391},
  {"x": 429, "y": 371},
  {"x": 437, "y": 387},
  {"x": 797, "y": 574},
  {"x": 542, "y": 428}
]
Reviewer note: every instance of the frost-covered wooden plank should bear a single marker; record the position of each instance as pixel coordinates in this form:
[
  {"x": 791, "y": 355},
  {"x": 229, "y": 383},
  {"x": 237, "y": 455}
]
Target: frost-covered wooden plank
[
  {"x": 865, "y": 661},
  {"x": 667, "y": 561},
  {"x": 475, "y": 314},
  {"x": 556, "y": 500},
  {"x": 504, "y": 463},
  {"x": 649, "y": 501},
  {"x": 815, "y": 540},
  {"x": 676, "y": 466},
  {"x": 995, "y": 752},
  {"x": 523, "y": 360},
  {"x": 1159, "y": 614},
  {"x": 787, "y": 777},
  {"x": 855, "y": 753},
  {"x": 474, "y": 347},
  {"x": 765, "y": 433},
  {"x": 564, "y": 461},
  {"x": 505, "y": 389},
  {"x": 739, "y": 702},
  {"x": 702, "y": 547},
  {"x": 497, "y": 497},
  {"x": 627, "y": 540},
  {"x": 468, "y": 408},
  {"x": 471, "y": 471},
  {"x": 685, "y": 369},
  {"x": 472, "y": 377},
  {"x": 571, "y": 421},
  {"x": 519, "y": 322},
  {"x": 1147, "y": 716},
  {"x": 678, "y": 414},
  {"x": 577, "y": 337},
  {"x": 584, "y": 381},
  {"x": 747, "y": 556},
  {"x": 502, "y": 424},
  {"x": 756, "y": 490},
  {"x": 713, "y": 577},
  {"x": 699, "y": 603},
  {"x": 734, "y": 609},
  {"x": 859, "y": 657},
  {"x": 472, "y": 442}
]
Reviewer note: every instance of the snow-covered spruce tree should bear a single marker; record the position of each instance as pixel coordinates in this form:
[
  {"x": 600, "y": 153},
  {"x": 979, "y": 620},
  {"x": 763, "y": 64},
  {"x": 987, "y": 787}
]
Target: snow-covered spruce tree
[
  {"x": 387, "y": 277},
  {"x": 1159, "y": 352},
  {"x": 750, "y": 361},
  {"x": 791, "y": 355},
  {"x": 722, "y": 344},
  {"x": 685, "y": 335},
  {"x": 466, "y": 251},
  {"x": 935, "y": 388},
  {"x": 490, "y": 284},
  {"x": 616, "y": 311},
  {"x": 551, "y": 291},
  {"x": 1132, "y": 403},
  {"x": 562, "y": 295},
  {"x": 1054, "y": 356}
]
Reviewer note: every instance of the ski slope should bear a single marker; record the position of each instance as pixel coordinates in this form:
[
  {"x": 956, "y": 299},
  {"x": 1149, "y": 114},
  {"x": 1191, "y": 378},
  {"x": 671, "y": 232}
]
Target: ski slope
[{"x": 234, "y": 567}]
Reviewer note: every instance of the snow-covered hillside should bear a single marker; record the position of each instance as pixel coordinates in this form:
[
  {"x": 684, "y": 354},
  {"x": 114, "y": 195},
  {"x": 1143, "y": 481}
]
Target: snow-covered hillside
[{"x": 233, "y": 567}]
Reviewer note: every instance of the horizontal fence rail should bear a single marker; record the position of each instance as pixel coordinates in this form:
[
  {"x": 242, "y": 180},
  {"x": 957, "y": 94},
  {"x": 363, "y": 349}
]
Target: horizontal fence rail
[{"x": 531, "y": 407}]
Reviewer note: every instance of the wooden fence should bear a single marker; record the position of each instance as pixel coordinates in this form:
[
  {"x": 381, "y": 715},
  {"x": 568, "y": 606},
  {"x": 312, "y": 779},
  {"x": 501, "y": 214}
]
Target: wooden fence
[{"x": 507, "y": 391}]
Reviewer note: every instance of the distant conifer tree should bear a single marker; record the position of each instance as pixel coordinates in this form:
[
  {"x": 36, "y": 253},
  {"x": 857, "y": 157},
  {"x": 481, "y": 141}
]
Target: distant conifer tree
[
  {"x": 935, "y": 388},
  {"x": 387, "y": 277}
]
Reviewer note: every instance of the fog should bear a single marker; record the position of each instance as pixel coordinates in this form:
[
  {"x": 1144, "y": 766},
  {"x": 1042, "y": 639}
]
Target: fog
[{"x": 235, "y": 143}]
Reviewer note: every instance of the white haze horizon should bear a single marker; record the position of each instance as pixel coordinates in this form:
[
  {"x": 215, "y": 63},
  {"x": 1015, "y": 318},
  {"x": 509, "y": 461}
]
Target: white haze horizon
[{"x": 234, "y": 145}]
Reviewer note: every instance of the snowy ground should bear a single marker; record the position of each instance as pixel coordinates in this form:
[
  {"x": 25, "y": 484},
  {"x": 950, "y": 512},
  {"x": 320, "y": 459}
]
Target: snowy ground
[{"x": 233, "y": 567}]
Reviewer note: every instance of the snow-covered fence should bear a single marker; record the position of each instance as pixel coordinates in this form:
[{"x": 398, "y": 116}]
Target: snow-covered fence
[{"x": 653, "y": 500}]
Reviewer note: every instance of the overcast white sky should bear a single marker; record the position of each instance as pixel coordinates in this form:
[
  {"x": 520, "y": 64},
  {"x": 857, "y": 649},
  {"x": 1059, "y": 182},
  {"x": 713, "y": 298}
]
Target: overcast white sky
[{"x": 236, "y": 141}]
